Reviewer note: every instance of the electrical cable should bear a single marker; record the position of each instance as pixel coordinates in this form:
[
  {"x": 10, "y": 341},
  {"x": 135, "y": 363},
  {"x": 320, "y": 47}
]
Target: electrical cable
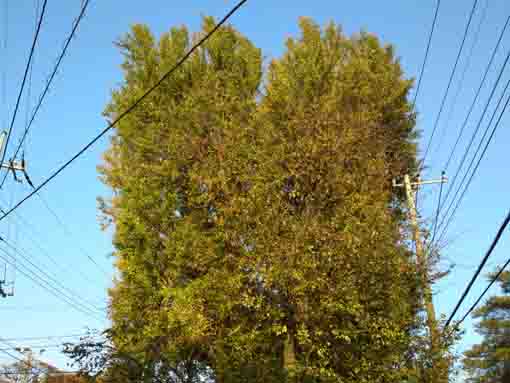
[
  {"x": 475, "y": 99},
  {"x": 480, "y": 267},
  {"x": 48, "y": 83},
  {"x": 426, "y": 52},
  {"x": 70, "y": 293},
  {"x": 128, "y": 110},
  {"x": 478, "y": 125},
  {"x": 70, "y": 234},
  {"x": 450, "y": 80},
  {"x": 461, "y": 81},
  {"x": 464, "y": 191},
  {"x": 64, "y": 268},
  {"x": 32, "y": 50},
  {"x": 30, "y": 274},
  {"x": 473, "y": 306},
  {"x": 438, "y": 208}
]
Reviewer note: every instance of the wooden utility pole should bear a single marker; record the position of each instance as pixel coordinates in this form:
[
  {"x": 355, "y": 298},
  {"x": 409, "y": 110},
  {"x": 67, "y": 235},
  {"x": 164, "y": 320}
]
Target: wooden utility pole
[{"x": 423, "y": 270}]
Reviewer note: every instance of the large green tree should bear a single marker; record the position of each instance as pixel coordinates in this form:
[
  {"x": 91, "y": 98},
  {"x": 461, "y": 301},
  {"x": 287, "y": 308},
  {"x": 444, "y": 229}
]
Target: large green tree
[
  {"x": 489, "y": 361},
  {"x": 256, "y": 228}
]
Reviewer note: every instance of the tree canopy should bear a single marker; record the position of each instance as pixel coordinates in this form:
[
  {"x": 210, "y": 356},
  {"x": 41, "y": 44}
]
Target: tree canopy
[
  {"x": 256, "y": 229},
  {"x": 489, "y": 361}
]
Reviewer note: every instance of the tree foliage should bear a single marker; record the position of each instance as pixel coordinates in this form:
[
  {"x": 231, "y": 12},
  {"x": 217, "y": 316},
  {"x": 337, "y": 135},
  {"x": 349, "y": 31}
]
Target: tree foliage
[
  {"x": 489, "y": 361},
  {"x": 257, "y": 232}
]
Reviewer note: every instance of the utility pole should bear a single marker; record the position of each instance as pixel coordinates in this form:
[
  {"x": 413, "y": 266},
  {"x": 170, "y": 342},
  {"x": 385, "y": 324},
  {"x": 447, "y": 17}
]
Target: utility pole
[
  {"x": 13, "y": 165},
  {"x": 422, "y": 264}
]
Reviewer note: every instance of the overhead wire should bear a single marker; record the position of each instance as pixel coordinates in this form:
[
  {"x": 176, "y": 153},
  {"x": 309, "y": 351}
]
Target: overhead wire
[
  {"x": 33, "y": 370},
  {"x": 31, "y": 275},
  {"x": 475, "y": 169},
  {"x": 452, "y": 74},
  {"x": 49, "y": 337},
  {"x": 484, "y": 260},
  {"x": 5, "y": 39},
  {"x": 69, "y": 292},
  {"x": 28, "y": 98},
  {"x": 128, "y": 110},
  {"x": 492, "y": 281},
  {"x": 438, "y": 207},
  {"x": 65, "y": 268},
  {"x": 49, "y": 82},
  {"x": 25, "y": 75},
  {"x": 41, "y": 282},
  {"x": 477, "y": 129},
  {"x": 461, "y": 81},
  {"x": 67, "y": 231},
  {"x": 477, "y": 94},
  {"x": 425, "y": 57}
]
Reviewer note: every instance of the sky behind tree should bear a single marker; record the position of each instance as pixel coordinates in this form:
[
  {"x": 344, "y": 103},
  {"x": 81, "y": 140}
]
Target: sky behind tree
[{"x": 71, "y": 116}]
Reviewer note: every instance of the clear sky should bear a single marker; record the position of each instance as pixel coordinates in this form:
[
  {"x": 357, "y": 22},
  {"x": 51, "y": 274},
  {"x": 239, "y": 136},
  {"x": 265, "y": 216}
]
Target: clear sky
[{"x": 72, "y": 115}]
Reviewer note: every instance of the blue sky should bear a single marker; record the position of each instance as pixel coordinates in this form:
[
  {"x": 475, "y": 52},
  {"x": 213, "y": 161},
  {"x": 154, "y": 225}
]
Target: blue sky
[{"x": 71, "y": 116}]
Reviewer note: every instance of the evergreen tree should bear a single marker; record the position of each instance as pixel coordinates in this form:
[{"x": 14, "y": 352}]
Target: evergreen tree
[
  {"x": 489, "y": 361},
  {"x": 257, "y": 233}
]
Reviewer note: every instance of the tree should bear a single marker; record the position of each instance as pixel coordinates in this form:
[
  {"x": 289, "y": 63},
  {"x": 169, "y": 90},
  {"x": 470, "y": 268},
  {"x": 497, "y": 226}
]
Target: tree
[
  {"x": 256, "y": 229},
  {"x": 489, "y": 361},
  {"x": 101, "y": 362}
]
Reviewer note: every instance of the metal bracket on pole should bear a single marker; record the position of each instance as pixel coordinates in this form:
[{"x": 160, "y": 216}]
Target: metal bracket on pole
[
  {"x": 442, "y": 180},
  {"x": 15, "y": 165}
]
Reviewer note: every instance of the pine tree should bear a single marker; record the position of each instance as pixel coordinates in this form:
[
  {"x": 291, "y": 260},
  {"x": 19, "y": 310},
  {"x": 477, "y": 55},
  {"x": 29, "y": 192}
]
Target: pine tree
[{"x": 489, "y": 361}]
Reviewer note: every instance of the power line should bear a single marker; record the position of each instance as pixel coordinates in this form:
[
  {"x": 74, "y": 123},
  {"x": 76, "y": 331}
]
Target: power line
[
  {"x": 438, "y": 208},
  {"x": 5, "y": 39},
  {"x": 461, "y": 81},
  {"x": 64, "y": 268},
  {"x": 128, "y": 110},
  {"x": 464, "y": 191},
  {"x": 41, "y": 282},
  {"x": 32, "y": 49},
  {"x": 482, "y": 82},
  {"x": 48, "y": 83},
  {"x": 70, "y": 293},
  {"x": 30, "y": 274},
  {"x": 426, "y": 52},
  {"x": 478, "y": 126},
  {"x": 12, "y": 356},
  {"x": 34, "y": 347},
  {"x": 450, "y": 80},
  {"x": 493, "y": 280},
  {"x": 49, "y": 337},
  {"x": 26, "y": 363},
  {"x": 28, "y": 97},
  {"x": 69, "y": 234},
  {"x": 480, "y": 267}
]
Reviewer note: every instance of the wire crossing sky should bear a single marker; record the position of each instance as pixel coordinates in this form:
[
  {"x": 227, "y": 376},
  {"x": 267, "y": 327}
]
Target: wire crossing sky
[{"x": 71, "y": 115}]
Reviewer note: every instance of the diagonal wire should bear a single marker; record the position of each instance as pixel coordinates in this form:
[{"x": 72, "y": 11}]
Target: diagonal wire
[
  {"x": 34, "y": 277},
  {"x": 493, "y": 280},
  {"x": 48, "y": 83},
  {"x": 480, "y": 267},
  {"x": 70, "y": 293},
  {"x": 5, "y": 39},
  {"x": 438, "y": 208},
  {"x": 69, "y": 234},
  {"x": 475, "y": 99},
  {"x": 128, "y": 110},
  {"x": 463, "y": 76},
  {"x": 478, "y": 126},
  {"x": 436, "y": 123},
  {"x": 29, "y": 226},
  {"x": 464, "y": 191},
  {"x": 426, "y": 52},
  {"x": 32, "y": 49}
]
